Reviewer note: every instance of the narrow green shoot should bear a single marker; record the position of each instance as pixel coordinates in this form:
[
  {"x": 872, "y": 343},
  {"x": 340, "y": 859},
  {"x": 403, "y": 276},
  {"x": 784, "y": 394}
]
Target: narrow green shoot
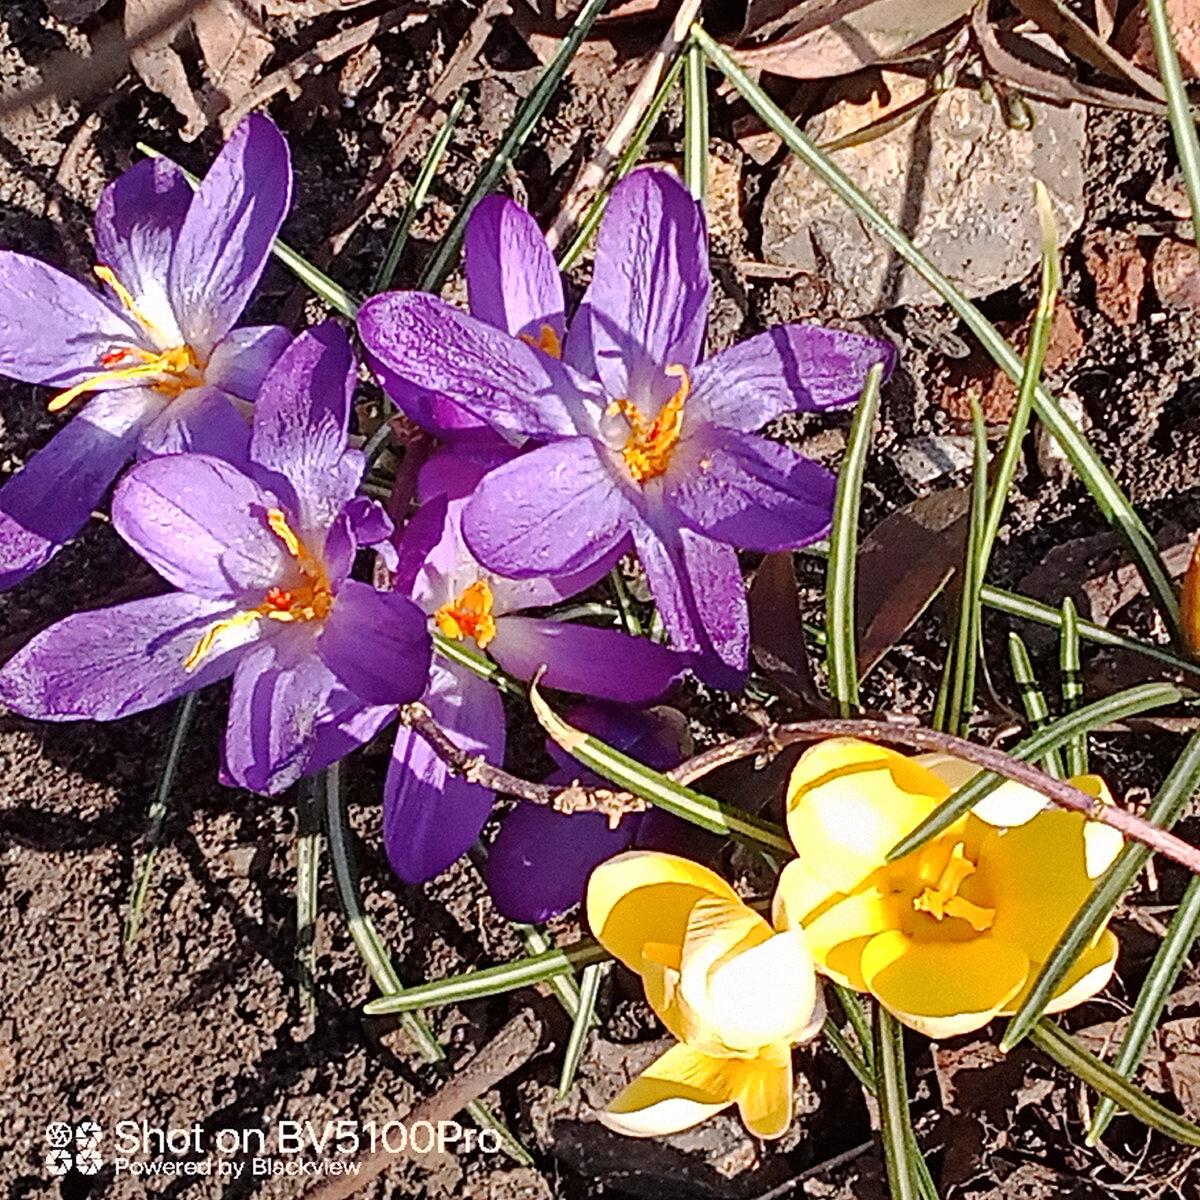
[
  {"x": 695, "y": 121},
  {"x": 565, "y": 988},
  {"x": 849, "y": 1054},
  {"x": 477, "y": 664},
  {"x": 852, "y": 1005},
  {"x": 891, "y": 1088},
  {"x": 1075, "y": 753},
  {"x": 1034, "y": 701},
  {"x": 309, "y": 806},
  {"x": 589, "y": 989}
]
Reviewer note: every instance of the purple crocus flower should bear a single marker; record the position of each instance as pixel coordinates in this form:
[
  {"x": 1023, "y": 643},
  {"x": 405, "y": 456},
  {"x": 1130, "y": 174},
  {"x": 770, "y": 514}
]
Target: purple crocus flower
[
  {"x": 430, "y": 817},
  {"x": 261, "y": 558},
  {"x": 157, "y": 346},
  {"x": 644, "y": 442}
]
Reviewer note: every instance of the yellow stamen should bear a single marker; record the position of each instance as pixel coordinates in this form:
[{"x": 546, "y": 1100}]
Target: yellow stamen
[
  {"x": 173, "y": 372},
  {"x": 108, "y": 275},
  {"x": 209, "y": 638},
  {"x": 648, "y": 451},
  {"x": 547, "y": 340},
  {"x": 944, "y": 901},
  {"x": 469, "y": 615}
]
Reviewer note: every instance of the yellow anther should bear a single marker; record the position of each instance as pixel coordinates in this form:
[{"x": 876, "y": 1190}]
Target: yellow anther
[
  {"x": 283, "y": 531},
  {"x": 209, "y": 638},
  {"x": 944, "y": 901},
  {"x": 469, "y": 615},
  {"x": 547, "y": 340},
  {"x": 172, "y": 372},
  {"x": 648, "y": 451}
]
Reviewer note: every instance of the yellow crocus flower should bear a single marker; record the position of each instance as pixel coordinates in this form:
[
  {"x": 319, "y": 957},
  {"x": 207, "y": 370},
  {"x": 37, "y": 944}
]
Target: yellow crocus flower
[
  {"x": 954, "y": 933},
  {"x": 737, "y": 994}
]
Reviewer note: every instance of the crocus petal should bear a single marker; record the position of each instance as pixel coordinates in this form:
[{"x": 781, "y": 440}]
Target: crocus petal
[
  {"x": 1090, "y": 974},
  {"x": 789, "y": 368},
  {"x": 201, "y": 524},
  {"x": 241, "y": 360},
  {"x": 515, "y": 388},
  {"x": 539, "y": 864},
  {"x": 849, "y": 802},
  {"x": 53, "y": 329},
  {"x": 647, "y": 305},
  {"x": 604, "y": 663},
  {"x": 226, "y": 236},
  {"x": 300, "y": 421},
  {"x": 138, "y": 220},
  {"x": 430, "y": 818},
  {"x": 346, "y": 725},
  {"x": 749, "y": 492},
  {"x": 697, "y": 585},
  {"x": 837, "y": 936},
  {"x": 764, "y": 1096},
  {"x": 512, "y": 278},
  {"x": 1010, "y": 804},
  {"x": 679, "y": 1089},
  {"x": 943, "y": 989},
  {"x": 203, "y": 420},
  {"x": 51, "y": 498},
  {"x": 109, "y": 663},
  {"x": 553, "y": 511},
  {"x": 643, "y": 897},
  {"x": 377, "y": 644}
]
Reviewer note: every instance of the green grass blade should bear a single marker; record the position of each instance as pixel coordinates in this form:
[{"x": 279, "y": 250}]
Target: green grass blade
[
  {"x": 1067, "y": 1052},
  {"x": 373, "y": 952},
  {"x": 849, "y": 1055},
  {"x": 528, "y": 113},
  {"x": 695, "y": 121},
  {"x": 627, "y": 161},
  {"x": 1034, "y": 700},
  {"x": 840, "y": 652},
  {"x": 429, "y": 169},
  {"x": 585, "y": 1018},
  {"x": 309, "y": 805},
  {"x": 630, "y": 775},
  {"x": 1075, "y": 752},
  {"x": 477, "y": 664},
  {"x": 860, "y": 1021},
  {"x": 1057, "y": 733},
  {"x": 156, "y": 815},
  {"x": 491, "y": 981},
  {"x": 1095, "y": 475},
  {"x": 1152, "y": 999},
  {"x": 891, "y": 1088},
  {"x": 1166, "y": 808},
  {"x": 564, "y": 987}
]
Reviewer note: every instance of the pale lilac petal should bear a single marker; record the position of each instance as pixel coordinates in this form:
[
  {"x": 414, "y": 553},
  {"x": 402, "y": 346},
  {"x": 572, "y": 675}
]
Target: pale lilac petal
[
  {"x": 138, "y": 221},
  {"x": 513, "y": 595},
  {"x": 51, "y": 498},
  {"x": 515, "y": 388},
  {"x": 226, "y": 237},
  {"x": 430, "y": 818},
  {"x": 512, "y": 278},
  {"x": 790, "y": 368},
  {"x": 455, "y": 472},
  {"x": 203, "y": 420},
  {"x": 301, "y": 418},
  {"x": 340, "y": 546},
  {"x": 539, "y": 864},
  {"x": 112, "y": 662},
  {"x": 697, "y": 585},
  {"x": 604, "y": 663},
  {"x": 423, "y": 535},
  {"x": 53, "y": 329},
  {"x": 241, "y": 360},
  {"x": 553, "y": 511},
  {"x": 647, "y": 306},
  {"x": 201, "y": 524},
  {"x": 377, "y": 644},
  {"x": 749, "y": 492}
]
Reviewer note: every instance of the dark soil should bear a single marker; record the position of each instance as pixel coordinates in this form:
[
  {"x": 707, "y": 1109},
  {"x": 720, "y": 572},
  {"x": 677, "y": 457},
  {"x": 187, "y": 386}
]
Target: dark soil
[{"x": 199, "y": 1023}]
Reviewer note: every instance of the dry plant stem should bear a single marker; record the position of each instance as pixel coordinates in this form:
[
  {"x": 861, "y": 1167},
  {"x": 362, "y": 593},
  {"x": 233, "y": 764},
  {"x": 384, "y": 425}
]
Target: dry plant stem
[
  {"x": 770, "y": 741},
  {"x": 511, "y": 1048},
  {"x": 593, "y": 175}
]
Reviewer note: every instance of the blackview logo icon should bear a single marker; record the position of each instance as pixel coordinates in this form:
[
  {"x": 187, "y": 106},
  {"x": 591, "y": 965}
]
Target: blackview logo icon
[{"x": 73, "y": 1145}]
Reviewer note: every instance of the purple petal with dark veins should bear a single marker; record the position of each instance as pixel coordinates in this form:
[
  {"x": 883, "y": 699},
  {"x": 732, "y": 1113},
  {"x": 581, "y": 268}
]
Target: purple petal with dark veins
[
  {"x": 112, "y": 662},
  {"x": 512, "y": 278},
  {"x": 749, "y": 492},
  {"x": 240, "y": 363},
  {"x": 203, "y": 420},
  {"x": 430, "y": 818},
  {"x": 226, "y": 236},
  {"x": 787, "y": 369},
  {"x": 604, "y": 663},
  {"x": 553, "y": 511}
]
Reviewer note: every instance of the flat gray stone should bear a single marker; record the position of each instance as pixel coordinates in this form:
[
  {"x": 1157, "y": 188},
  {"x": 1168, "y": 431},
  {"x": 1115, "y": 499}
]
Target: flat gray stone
[{"x": 956, "y": 179}]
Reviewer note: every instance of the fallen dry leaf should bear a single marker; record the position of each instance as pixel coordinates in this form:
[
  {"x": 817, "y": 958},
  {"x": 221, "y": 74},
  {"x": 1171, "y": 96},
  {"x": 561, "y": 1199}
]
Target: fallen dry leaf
[
  {"x": 1118, "y": 269},
  {"x": 776, "y": 631},
  {"x": 156, "y": 62},
  {"x": 1175, "y": 269},
  {"x": 235, "y": 47}
]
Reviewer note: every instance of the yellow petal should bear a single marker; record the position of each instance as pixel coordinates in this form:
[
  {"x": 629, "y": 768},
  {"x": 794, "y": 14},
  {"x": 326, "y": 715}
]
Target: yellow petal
[
  {"x": 798, "y": 893},
  {"x": 678, "y": 1090},
  {"x": 662, "y": 994},
  {"x": 644, "y": 896},
  {"x": 1102, "y": 843},
  {"x": 1010, "y": 804},
  {"x": 942, "y": 989},
  {"x": 764, "y": 1096},
  {"x": 1091, "y": 972},
  {"x": 850, "y": 802},
  {"x": 853, "y": 918}
]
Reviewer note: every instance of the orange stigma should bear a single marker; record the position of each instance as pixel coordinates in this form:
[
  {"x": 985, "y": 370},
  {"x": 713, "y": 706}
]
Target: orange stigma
[
  {"x": 469, "y": 615},
  {"x": 547, "y": 341},
  {"x": 648, "y": 451}
]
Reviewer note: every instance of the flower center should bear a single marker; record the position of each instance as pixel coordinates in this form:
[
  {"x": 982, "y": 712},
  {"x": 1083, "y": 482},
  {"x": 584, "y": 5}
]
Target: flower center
[
  {"x": 648, "y": 449},
  {"x": 170, "y": 371},
  {"x": 310, "y": 600},
  {"x": 944, "y": 901},
  {"x": 469, "y": 615}
]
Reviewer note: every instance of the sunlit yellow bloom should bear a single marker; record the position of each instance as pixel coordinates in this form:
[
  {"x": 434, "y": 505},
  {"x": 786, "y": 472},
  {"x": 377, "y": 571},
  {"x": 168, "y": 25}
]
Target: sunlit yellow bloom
[
  {"x": 734, "y": 992},
  {"x": 954, "y": 933}
]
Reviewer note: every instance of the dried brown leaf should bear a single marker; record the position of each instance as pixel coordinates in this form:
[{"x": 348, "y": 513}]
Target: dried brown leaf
[
  {"x": 1176, "y": 271},
  {"x": 156, "y": 61},
  {"x": 776, "y": 631},
  {"x": 235, "y": 47},
  {"x": 1133, "y": 37}
]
